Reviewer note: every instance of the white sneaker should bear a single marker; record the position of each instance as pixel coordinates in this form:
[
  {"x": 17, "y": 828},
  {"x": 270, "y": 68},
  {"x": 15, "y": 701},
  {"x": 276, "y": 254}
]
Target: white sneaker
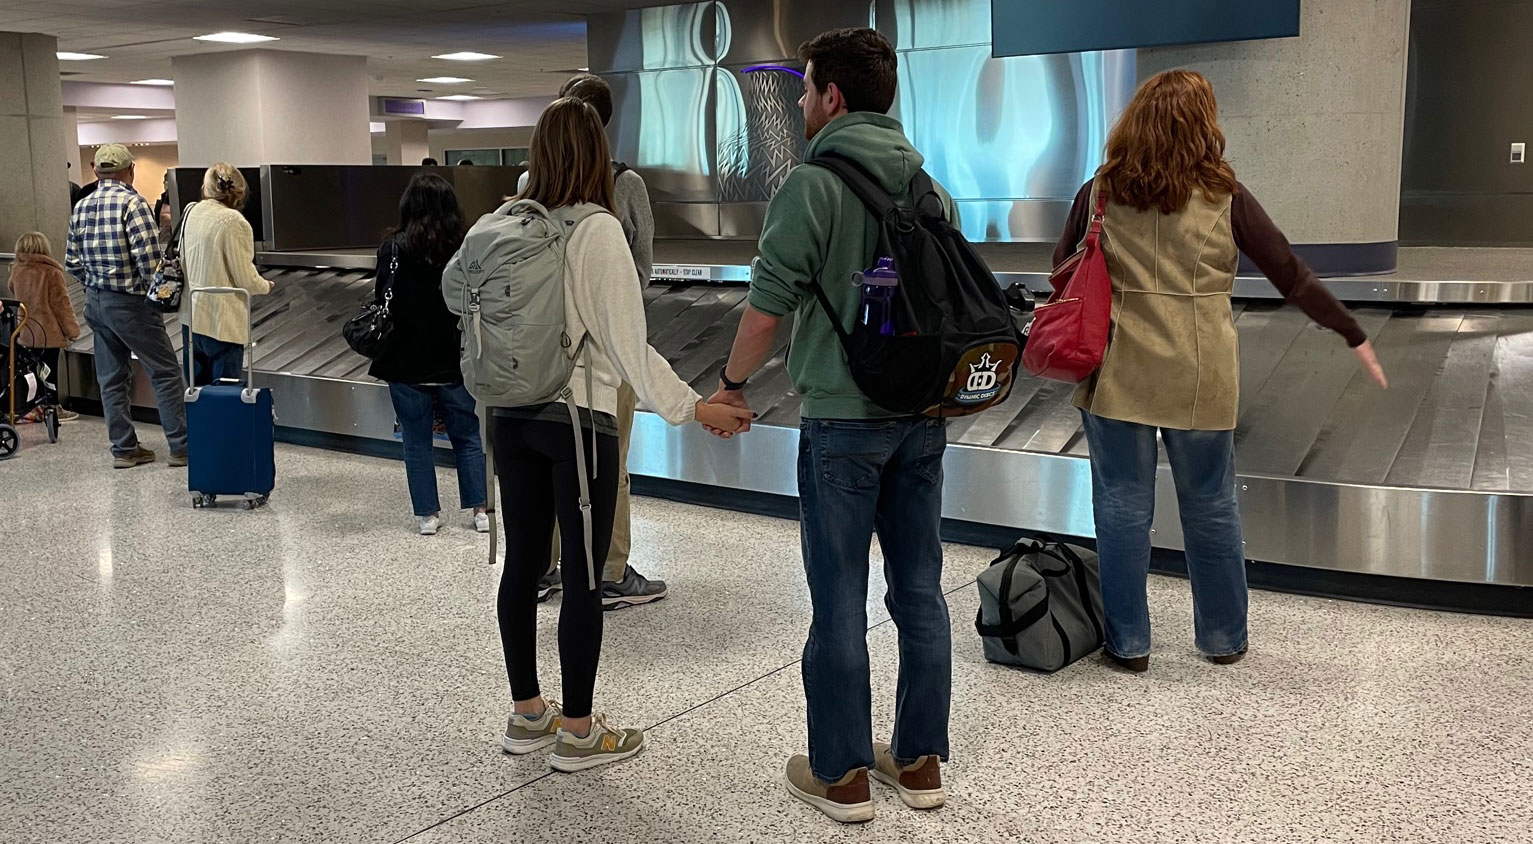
[
  {"x": 429, "y": 525},
  {"x": 482, "y": 522}
]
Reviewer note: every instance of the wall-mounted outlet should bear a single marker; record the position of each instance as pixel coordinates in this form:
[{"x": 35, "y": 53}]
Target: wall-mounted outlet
[{"x": 1519, "y": 153}]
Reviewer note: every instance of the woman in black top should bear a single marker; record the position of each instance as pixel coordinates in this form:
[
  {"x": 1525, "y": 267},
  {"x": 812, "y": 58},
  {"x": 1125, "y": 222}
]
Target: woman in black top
[{"x": 420, "y": 363}]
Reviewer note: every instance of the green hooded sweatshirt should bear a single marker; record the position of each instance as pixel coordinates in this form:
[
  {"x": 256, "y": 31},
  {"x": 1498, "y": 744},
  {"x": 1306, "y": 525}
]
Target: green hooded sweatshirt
[{"x": 817, "y": 228}]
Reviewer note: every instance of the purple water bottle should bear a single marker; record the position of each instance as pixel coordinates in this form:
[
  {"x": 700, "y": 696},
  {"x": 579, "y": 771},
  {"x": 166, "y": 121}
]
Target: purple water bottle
[{"x": 878, "y": 288}]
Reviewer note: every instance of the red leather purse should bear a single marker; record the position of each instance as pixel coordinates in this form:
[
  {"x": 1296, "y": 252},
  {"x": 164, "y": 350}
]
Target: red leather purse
[{"x": 1068, "y": 337}]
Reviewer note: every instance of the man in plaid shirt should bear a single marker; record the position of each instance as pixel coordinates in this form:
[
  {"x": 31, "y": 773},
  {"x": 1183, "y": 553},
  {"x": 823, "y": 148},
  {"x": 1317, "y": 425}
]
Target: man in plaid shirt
[{"x": 114, "y": 250}]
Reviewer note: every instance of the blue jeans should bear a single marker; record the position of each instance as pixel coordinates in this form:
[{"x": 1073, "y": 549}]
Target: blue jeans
[
  {"x": 414, "y": 406},
  {"x": 212, "y": 360},
  {"x": 854, "y": 478},
  {"x": 1123, "y": 460},
  {"x": 125, "y": 327}
]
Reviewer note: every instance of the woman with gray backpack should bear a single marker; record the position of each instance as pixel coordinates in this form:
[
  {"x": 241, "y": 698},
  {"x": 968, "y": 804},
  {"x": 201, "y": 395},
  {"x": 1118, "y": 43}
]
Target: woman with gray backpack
[{"x": 552, "y": 326}]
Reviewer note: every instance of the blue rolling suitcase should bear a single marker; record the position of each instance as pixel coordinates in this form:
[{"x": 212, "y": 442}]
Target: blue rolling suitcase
[{"x": 229, "y": 430}]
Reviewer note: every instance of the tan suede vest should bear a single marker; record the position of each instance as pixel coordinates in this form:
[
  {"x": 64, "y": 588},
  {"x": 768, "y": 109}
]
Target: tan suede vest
[{"x": 1173, "y": 359}]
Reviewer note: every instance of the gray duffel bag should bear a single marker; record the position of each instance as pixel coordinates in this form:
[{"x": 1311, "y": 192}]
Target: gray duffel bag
[{"x": 1040, "y": 605}]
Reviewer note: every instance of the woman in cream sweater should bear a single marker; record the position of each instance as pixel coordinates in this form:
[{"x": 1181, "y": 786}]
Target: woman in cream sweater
[{"x": 218, "y": 250}]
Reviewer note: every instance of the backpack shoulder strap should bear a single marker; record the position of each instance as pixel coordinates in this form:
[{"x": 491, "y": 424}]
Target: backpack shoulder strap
[
  {"x": 619, "y": 168},
  {"x": 878, "y": 201}
]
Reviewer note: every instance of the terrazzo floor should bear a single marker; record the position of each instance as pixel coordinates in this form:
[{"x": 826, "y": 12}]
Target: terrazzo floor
[{"x": 315, "y": 672}]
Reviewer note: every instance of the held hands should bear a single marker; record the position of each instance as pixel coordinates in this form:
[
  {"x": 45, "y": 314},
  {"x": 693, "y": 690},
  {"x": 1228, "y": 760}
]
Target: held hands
[
  {"x": 1370, "y": 363},
  {"x": 724, "y": 420},
  {"x": 736, "y": 410}
]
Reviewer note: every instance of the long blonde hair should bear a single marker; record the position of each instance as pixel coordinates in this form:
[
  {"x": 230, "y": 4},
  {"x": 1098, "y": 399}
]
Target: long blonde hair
[
  {"x": 34, "y": 243},
  {"x": 225, "y": 183},
  {"x": 1166, "y": 145}
]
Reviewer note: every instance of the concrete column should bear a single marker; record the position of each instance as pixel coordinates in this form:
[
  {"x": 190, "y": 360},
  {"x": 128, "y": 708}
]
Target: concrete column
[
  {"x": 1315, "y": 125},
  {"x": 406, "y": 141},
  {"x": 77, "y": 174},
  {"x": 252, "y": 107},
  {"x": 34, "y": 183}
]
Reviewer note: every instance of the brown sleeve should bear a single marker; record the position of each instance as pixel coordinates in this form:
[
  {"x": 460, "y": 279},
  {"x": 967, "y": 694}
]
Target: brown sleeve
[
  {"x": 1263, "y": 242},
  {"x": 1075, "y": 224},
  {"x": 62, "y": 309}
]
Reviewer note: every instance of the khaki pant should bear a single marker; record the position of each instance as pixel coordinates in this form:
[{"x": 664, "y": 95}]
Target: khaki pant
[{"x": 617, "y": 555}]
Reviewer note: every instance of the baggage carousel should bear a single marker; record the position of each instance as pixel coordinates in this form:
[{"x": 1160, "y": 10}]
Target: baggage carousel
[{"x": 1429, "y": 484}]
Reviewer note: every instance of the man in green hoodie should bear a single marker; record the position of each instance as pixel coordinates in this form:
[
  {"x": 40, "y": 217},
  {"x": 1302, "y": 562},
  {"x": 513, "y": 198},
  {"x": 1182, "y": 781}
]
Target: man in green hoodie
[{"x": 861, "y": 468}]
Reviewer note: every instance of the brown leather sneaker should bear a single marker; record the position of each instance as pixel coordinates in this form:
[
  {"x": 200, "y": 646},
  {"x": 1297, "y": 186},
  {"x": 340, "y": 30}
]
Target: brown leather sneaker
[
  {"x": 1133, "y": 665},
  {"x": 919, "y": 783},
  {"x": 847, "y": 800}
]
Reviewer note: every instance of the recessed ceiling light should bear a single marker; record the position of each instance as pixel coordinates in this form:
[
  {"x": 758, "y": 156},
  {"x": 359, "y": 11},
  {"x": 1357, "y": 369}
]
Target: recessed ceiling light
[
  {"x": 235, "y": 38},
  {"x": 77, "y": 57},
  {"x": 445, "y": 80},
  {"x": 130, "y": 117},
  {"x": 466, "y": 56},
  {"x": 459, "y": 97},
  {"x": 161, "y": 82}
]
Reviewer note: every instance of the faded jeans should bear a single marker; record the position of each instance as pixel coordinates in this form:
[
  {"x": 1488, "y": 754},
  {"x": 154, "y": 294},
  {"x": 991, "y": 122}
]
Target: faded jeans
[
  {"x": 125, "y": 326},
  {"x": 1123, "y": 461},
  {"x": 415, "y": 407},
  {"x": 856, "y": 477}
]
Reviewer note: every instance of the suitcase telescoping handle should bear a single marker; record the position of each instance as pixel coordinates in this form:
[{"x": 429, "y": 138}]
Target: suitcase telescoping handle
[{"x": 249, "y": 353}]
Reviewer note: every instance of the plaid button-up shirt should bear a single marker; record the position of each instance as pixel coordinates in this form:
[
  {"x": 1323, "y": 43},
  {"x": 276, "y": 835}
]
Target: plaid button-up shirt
[{"x": 113, "y": 239}]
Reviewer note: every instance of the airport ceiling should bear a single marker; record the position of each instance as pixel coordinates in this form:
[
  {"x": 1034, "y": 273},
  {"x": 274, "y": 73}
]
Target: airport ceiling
[{"x": 539, "y": 41}]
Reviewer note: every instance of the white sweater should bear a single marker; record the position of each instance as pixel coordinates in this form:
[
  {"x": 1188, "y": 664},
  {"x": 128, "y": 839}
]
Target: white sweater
[
  {"x": 602, "y": 303},
  {"x": 218, "y": 250}
]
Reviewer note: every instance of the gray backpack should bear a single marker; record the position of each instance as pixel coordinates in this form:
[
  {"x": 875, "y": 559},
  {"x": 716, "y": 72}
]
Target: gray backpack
[
  {"x": 1040, "y": 605},
  {"x": 506, "y": 285}
]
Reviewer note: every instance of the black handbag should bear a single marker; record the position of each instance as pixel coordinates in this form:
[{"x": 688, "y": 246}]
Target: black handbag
[
  {"x": 369, "y": 331},
  {"x": 169, "y": 279}
]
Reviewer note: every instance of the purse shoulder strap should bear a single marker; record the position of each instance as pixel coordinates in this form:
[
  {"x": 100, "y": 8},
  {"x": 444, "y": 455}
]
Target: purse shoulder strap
[{"x": 1098, "y": 216}]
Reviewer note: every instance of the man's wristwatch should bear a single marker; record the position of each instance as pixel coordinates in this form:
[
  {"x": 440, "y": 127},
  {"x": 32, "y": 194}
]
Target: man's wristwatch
[{"x": 731, "y": 386}]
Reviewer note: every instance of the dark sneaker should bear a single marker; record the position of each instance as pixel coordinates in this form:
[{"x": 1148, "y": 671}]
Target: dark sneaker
[
  {"x": 602, "y": 746},
  {"x": 179, "y": 459},
  {"x": 548, "y": 584},
  {"x": 1133, "y": 665},
  {"x": 138, "y": 457},
  {"x": 634, "y": 589},
  {"x": 919, "y": 783},
  {"x": 847, "y": 800},
  {"x": 528, "y": 735},
  {"x": 1228, "y": 659}
]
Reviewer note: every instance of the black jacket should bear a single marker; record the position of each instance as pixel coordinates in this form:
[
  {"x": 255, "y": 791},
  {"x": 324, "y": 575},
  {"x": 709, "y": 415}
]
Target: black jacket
[{"x": 424, "y": 346}]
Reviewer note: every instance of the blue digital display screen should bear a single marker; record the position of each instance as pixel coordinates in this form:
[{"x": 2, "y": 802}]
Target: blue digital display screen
[{"x": 1035, "y": 27}]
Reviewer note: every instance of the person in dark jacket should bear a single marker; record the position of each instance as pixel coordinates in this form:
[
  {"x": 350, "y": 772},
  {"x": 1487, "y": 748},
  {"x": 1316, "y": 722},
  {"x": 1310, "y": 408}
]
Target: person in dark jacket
[{"x": 420, "y": 363}]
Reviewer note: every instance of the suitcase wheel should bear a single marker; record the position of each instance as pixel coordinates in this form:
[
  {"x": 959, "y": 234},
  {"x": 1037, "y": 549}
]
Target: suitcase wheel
[
  {"x": 252, "y": 502},
  {"x": 199, "y": 500}
]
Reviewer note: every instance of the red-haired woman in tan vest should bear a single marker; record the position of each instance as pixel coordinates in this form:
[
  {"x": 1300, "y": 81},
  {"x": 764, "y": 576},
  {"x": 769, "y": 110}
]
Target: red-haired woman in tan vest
[{"x": 1176, "y": 223}]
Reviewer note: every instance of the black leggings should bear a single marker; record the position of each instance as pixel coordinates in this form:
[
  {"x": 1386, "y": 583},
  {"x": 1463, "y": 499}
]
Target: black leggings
[{"x": 538, "y": 481}]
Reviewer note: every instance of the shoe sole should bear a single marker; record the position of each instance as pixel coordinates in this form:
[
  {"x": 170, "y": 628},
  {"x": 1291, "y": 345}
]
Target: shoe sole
[
  {"x": 626, "y": 601},
  {"x": 934, "y": 798},
  {"x": 522, "y": 747},
  {"x": 134, "y": 464},
  {"x": 570, "y": 765},
  {"x": 839, "y": 812},
  {"x": 545, "y": 594}
]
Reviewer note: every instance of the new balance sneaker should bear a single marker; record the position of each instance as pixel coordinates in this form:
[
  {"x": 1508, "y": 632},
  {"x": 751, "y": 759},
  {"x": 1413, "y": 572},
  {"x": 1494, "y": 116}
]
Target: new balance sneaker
[
  {"x": 848, "y": 800},
  {"x": 138, "y": 457},
  {"x": 482, "y": 522},
  {"x": 919, "y": 783},
  {"x": 634, "y": 589},
  {"x": 602, "y": 746},
  {"x": 548, "y": 584},
  {"x": 525, "y": 734},
  {"x": 430, "y": 525}
]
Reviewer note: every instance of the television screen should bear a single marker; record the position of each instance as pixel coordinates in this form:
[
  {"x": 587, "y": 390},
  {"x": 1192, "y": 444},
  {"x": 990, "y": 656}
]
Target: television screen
[{"x": 1032, "y": 27}]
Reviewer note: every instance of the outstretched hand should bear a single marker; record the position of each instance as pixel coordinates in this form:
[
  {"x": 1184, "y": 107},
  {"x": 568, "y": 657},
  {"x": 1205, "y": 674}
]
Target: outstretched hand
[
  {"x": 724, "y": 419},
  {"x": 1370, "y": 363}
]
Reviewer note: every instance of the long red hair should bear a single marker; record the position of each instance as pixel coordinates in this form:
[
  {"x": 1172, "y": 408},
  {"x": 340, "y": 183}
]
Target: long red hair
[{"x": 1166, "y": 145}]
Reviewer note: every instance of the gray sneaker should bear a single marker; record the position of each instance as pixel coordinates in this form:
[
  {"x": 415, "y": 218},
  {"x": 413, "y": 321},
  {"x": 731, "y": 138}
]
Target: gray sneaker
[
  {"x": 529, "y": 735},
  {"x": 138, "y": 457},
  {"x": 603, "y": 746},
  {"x": 634, "y": 589},
  {"x": 548, "y": 584}
]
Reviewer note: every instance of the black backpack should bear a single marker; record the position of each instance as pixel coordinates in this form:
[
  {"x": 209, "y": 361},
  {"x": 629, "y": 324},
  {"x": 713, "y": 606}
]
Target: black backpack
[{"x": 955, "y": 347}]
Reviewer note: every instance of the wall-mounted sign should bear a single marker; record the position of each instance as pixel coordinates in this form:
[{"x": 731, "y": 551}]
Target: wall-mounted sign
[{"x": 416, "y": 108}]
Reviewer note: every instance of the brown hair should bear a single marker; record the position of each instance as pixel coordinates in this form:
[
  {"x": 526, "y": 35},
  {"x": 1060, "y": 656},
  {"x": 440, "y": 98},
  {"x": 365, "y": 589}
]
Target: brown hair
[
  {"x": 225, "y": 183},
  {"x": 569, "y": 161},
  {"x": 591, "y": 90},
  {"x": 860, "y": 62},
  {"x": 34, "y": 243},
  {"x": 1166, "y": 144}
]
